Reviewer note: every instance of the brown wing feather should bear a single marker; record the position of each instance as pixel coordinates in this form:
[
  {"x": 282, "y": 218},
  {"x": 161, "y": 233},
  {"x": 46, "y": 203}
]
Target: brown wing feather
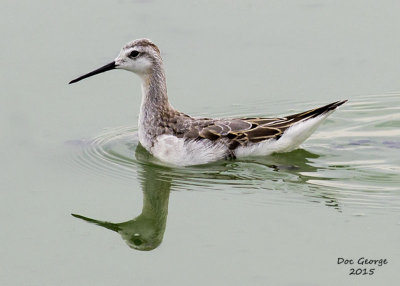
[{"x": 241, "y": 131}]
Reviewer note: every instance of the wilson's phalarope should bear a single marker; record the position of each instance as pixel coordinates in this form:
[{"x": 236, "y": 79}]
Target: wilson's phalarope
[{"x": 179, "y": 139}]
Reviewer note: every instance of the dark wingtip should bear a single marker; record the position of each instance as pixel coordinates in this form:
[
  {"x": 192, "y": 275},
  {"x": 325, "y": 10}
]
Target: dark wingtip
[
  {"x": 339, "y": 103},
  {"x": 332, "y": 106},
  {"x": 318, "y": 111}
]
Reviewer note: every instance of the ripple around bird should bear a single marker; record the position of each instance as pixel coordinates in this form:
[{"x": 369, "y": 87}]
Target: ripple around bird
[{"x": 351, "y": 162}]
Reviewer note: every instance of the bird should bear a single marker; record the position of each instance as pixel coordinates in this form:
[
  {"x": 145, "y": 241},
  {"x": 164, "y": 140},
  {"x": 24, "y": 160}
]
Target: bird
[{"x": 176, "y": 138}]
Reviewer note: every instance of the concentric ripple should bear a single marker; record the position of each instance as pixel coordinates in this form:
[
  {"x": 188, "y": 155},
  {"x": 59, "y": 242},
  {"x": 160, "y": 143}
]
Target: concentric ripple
[{"x": 351, "y": 162}]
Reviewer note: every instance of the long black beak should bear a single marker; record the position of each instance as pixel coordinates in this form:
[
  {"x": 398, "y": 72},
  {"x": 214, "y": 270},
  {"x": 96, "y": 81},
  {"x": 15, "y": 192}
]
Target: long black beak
[{"x": 105, "y": 68}]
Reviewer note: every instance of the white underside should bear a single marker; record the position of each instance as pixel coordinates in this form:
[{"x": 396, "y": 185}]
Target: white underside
[{"x": 178, "y": 151}]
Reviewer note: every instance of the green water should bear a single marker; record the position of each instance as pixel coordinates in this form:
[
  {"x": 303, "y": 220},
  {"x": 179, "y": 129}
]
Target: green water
[{"x": 284, "y": 219}]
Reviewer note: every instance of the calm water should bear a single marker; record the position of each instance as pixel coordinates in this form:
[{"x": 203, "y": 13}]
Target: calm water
[{"x": 284, "y": 219}]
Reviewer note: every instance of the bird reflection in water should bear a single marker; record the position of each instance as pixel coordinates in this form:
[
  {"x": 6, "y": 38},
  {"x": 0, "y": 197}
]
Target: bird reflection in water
[{"x": 146, "y": 231}]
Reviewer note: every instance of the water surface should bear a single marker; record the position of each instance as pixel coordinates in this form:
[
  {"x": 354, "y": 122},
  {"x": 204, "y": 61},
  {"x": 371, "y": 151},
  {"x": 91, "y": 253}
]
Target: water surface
[{"x": 277, "y": 220}]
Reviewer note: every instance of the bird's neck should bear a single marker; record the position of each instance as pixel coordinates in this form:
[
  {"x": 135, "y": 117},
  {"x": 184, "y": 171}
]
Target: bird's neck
[
  {"x": 155, "y": 106},
  {"x": 154, "y": 89}
]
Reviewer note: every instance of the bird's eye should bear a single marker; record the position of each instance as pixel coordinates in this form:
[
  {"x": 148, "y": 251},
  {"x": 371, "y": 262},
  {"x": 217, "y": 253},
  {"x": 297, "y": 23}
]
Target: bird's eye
[
  {"x": 134, "y": 54},
  {"x": 137, "y": 241}
]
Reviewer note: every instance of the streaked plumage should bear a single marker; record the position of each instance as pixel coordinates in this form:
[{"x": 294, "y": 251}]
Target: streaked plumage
[{"x": 179, "y": 139}]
